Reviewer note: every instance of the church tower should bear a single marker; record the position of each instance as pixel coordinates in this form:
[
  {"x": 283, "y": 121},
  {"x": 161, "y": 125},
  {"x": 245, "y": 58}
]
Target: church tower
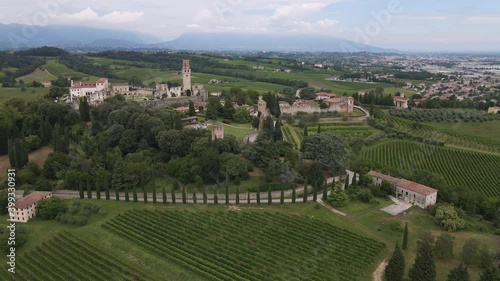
[{"x": 186, "y": 76}]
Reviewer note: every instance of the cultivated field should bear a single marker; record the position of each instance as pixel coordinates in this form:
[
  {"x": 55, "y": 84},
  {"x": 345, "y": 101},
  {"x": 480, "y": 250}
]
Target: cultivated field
[
  {"x": 274, "y": 247},
  {"x": 38, "y": 75},
  {"x": 472, "y": 170},
  {"x": 29, "y": 95}
]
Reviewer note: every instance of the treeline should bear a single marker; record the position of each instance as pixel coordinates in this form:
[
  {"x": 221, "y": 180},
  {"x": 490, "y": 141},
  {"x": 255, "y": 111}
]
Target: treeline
[
  {"x": 375, "y": 97},
  {"x": 85, "y": 65},
  {"x": 24, "y": 64},
  {"x": 424, "y": 75}
]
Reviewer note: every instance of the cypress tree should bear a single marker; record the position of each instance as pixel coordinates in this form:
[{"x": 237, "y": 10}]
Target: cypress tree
[
  {"x": 164, "y": 193},
  {"x": 227, "y": 193},
  {"x": 248, "y": 198},
  {"x": 127, "y": 198},
  {"x": 305, "y": 131},
  {"x": 282, "y": 197},
  {"x": 154, "y": 193},
  {"x": 424, "y": 268},
  {"x": 216, "y": 197},
  {"x": 346, "y": 185},
  {"x": 304, "y": 198},
  {"x": 134, "y": 195},
  {"x": 294, "y": 194},
  {"x": 258, "y": 197},
  {"x": 405, "y": 237},
  {"x": 98, "y": 191},
  {"x": 354, "y": 179},
  {"x": 12, "y": 153},
  {"x": 106, "y": 189},
  {"x": 194, "y": 197},
  {"x": 145, "y": 192},
  {"x": 395, "y": 269},
  {"x": 183, "y": 195},
  {"x": 89, "y": 190},
  {"x": 269, "y": 196},
  {"x": 325, "y": 191},
  {"x": 173, "y": 195},
  {"x": 80, "y": 188},
  {"x": 490, "y": 274},
  {"x": 117, "y": 195},
  {"x": 237, "y": 195},
  {"x": 459, "y": 273},
  {"x": 315, "y": 193},
  {"x": 205, "y": 198},
  {"x": 319, "y": 128}
]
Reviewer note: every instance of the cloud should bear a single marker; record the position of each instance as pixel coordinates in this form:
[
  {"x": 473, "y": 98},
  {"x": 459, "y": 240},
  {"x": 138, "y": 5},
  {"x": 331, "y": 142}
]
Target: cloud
[
  {"x": 484, "y": 20},
  {"x": 327, "y": 22},
  {"x": 296, "y": 10},
  {"x": 110, "y": 18},
  {"x": 193, "y": 25},
  {"x": 424, "y": 17}
]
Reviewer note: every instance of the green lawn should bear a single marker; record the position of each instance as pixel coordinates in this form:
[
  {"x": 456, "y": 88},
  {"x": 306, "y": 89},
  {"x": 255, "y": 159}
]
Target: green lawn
[
  {"x": 237, "y": 130},
  {"x": 10, "y": 93}
]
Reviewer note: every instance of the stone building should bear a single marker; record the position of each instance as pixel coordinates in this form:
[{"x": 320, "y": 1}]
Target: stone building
[
  {"x": 186, "y": 76},
  {"x": 25, "y": 208},
  {"x": 408, "y": 191},
  {"x": 218, "y": 132},
  {"x": 336, "y": 104}
]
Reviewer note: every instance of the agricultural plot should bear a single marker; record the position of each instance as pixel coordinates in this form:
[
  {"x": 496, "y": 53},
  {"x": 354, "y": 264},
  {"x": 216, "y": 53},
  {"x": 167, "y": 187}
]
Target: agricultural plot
[
  {"x": 61, "y": 70},
  {"x": 29, "y": 95},
  {"x": 475, "y": 171},
  {"x": 455, "y": 134},
  {"x": 38, "y": 75},
  {"x": 66, "y": 257},
  {"x": 249, "y": 245}
]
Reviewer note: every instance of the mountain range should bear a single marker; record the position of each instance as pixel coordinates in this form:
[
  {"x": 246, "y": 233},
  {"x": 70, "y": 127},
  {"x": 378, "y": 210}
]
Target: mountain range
[{"x": 17, "y": 36}]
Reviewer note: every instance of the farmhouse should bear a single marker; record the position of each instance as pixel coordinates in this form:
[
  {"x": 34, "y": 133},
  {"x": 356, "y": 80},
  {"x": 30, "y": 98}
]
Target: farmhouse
[
  {"x": 408, "y": 191},
  {"x": 494, "y": 110},
  {"x": 25, "y": 208},
  {"x": 401, "y": 102}
]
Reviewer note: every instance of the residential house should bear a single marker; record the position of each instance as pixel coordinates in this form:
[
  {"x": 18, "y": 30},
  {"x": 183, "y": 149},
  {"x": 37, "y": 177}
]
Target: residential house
[{"x": 25, "y": 208}]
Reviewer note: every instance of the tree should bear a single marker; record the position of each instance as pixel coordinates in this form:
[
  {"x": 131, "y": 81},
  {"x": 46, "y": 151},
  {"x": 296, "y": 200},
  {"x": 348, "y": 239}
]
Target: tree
[
  {"x": 486, "y": 257},
  {"x": 325, "y": 191},
  {"x": 294, "y": 194},
  {"x": 192, "y": 110},
  {"x": 48, "y": 209},
  {"x": 424, "y": 268},
  {"x": 305, "y": 134},
  {"x": 490, "y": 274},
  {"x": 353, "y": 179},
  {"x": 444, "y": 246},
  {"x": 282, "y": 197},
  {"x": 216, "y": 197},
  {"x": 117, "y": 195},
  {"x": 269, "y": 195},
  {"x": 319, "y": 129},
  {"x": 84, "y": 110},
  {"x": 447, "y": 217},
  {"x": 89, "y": 190},
  {"x": 315, "y": 193},
  {"x": 134, "y": 195},
  {"x": 227, "y": 190},
  {"x": 308, "y": 93},
  {"x": 173, "y": 194},
  {"x": 18, "y": 154},
  {"x": 194, "y": 197},
  {"x": 205, "y": 198},
  {"x": 395, "y": 269},
  {"x": 346, "y": 184},
  {"x": 164, "y": 195},
  {"x": 145, "y": 195},
  {"x": 241, "y": 115},
  {"x": 258, "y": 197},
  {"x": 213, "y": 108},
  {"x": 118, "y": 176},
  {"x": 184, "y": 195},
  {"x": 228, "y": 110},
  {"x": 338, "y": 197},
  {"x": 459, "y": 273},
  {"x": 328, "y": 150},
  {"x": 306, "y": 191},
  {"x": 237, "y": 195},
  {"x": 405, "y": 237},
  {"x": 127, "y": 198},
  {"x": 154, "y": 193},
  {"x": 470, "y": 251},
  {"x": 80, "y": 188},
  {"x": 277, "y": 134}
]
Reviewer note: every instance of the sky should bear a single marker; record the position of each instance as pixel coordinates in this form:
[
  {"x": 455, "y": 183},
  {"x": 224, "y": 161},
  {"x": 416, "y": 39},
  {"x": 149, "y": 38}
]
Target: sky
[{"x": 408, "y": 25}]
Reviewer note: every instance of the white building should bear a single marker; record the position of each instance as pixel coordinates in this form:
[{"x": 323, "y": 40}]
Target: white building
[
  {"x": 25, "y": 208},
  {"x": 96, "y": 91},
  {"x": 408, "y": 191}
]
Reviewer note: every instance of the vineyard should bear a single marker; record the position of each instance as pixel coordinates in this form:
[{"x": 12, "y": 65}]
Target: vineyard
[
  {"x": 249, "y": 245},
  {"x": 450, "y": 137},
  {"x": 66, "y": 257},
  {"x": 444, "y": 115},
  {"x": 475, "y": 171}
]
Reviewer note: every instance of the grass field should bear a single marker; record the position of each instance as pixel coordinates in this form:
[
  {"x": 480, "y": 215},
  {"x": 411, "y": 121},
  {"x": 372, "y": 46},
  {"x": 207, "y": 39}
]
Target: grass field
[
  {"x": 60, "y": 70},
  {"x": 471, "y": 170},
  {"x": 237, "y": 130},
  {"x": 490, "y": 129},
  {"x": 28, "y": 95},
  {"x": 39, "y": 156},
  {"x": 37, "y": 75}
]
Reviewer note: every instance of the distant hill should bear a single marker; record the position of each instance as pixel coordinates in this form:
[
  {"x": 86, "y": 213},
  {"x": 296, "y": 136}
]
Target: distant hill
[
  {"x": 70, "y": 36},
  {"x": 267, "y": 42}
]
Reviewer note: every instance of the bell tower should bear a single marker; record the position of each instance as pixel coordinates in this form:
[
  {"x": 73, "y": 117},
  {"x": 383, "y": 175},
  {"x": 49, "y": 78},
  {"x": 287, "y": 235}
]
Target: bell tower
[{"x": 186, "y": 76}]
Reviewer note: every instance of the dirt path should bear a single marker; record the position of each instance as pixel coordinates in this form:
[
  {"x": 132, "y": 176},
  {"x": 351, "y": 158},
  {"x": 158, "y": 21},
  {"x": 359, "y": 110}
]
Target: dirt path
[{"x": 379, "y": 272}]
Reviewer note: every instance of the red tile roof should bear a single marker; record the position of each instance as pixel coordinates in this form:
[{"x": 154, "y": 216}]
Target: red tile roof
[
  {"x": 397, "y": 98},
  {"x": 31, "y": 199},
  {"x": 334, "y": 100},
  {"x": 406, "y": 184}
]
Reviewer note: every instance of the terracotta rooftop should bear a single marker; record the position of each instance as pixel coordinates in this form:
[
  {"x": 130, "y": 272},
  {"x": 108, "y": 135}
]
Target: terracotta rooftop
[
  {"x": 406, "y": 184},
  {"x": 334, "y": 100},
  {"x": 325, "y": 94},
  {"x": 400, "y": 99},
  {"x": 31, "y": 199},
  {"x": 190, "y": 118}
]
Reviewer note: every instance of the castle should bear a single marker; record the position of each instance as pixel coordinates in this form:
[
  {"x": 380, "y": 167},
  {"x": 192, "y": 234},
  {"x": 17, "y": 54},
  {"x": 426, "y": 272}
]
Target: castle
[
  {"x": 96, "y": 91},
  {"x": 187, "y": 88},
  {"x": 331, "y": 104}
]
